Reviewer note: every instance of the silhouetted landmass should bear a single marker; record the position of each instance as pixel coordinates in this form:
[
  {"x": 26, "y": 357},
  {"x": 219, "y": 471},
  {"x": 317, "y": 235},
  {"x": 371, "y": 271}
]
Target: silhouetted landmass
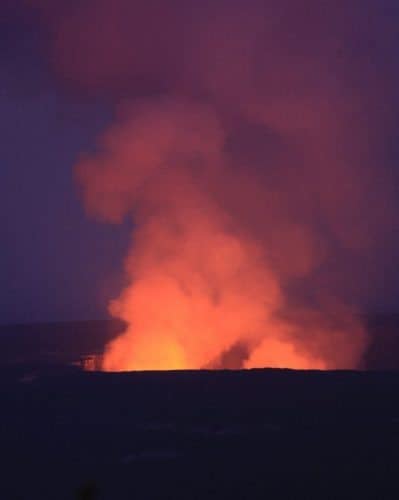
[
  {"x": 383, "y": 351},
  {"x": 63, "y": 342},
  {"x": 266, "y": 434},
  {"x": 198, "y": 435}
]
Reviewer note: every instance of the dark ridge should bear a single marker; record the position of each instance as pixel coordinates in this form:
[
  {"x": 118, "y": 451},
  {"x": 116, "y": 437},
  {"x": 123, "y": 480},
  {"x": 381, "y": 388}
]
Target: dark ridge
[
  {"x": 383, "y": 350},
  {"x": 63, "y": 342}
]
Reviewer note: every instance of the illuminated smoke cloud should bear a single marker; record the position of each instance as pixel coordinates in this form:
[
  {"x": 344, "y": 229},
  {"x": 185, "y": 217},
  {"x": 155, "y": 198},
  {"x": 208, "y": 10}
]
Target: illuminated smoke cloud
[{"x": 244, "y": 149}]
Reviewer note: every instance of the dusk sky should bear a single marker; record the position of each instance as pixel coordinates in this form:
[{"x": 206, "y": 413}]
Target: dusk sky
[
  {"x": 67, "y": 68},
  {"x": 56, "y": 264}
]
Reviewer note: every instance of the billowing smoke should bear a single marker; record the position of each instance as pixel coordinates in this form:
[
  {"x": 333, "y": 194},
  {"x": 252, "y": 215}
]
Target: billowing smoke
[{"x": 244, "y": 150}]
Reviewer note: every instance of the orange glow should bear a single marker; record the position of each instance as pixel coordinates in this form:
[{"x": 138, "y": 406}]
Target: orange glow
[
  {"x": 194, "y": 294},
  {"x": 212, "y": 253},
  {"x": 197, "y": 292}
]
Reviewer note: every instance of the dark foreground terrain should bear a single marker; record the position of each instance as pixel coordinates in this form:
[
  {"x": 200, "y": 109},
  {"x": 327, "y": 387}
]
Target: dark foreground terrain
[
  {"x": 269, "y": 434},
  {"x": 264, "y": 434}
]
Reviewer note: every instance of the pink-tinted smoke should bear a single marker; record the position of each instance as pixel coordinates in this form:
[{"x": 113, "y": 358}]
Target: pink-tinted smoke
[{"x": 244, "y": 151}]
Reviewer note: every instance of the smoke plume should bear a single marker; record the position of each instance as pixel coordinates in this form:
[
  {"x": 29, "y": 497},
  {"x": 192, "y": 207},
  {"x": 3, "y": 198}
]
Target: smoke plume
[{"x": 245, "y": 151}]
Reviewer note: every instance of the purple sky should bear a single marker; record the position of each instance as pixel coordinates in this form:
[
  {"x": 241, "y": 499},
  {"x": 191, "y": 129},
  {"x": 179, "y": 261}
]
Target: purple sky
[{"x": 55, "y": 263}]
